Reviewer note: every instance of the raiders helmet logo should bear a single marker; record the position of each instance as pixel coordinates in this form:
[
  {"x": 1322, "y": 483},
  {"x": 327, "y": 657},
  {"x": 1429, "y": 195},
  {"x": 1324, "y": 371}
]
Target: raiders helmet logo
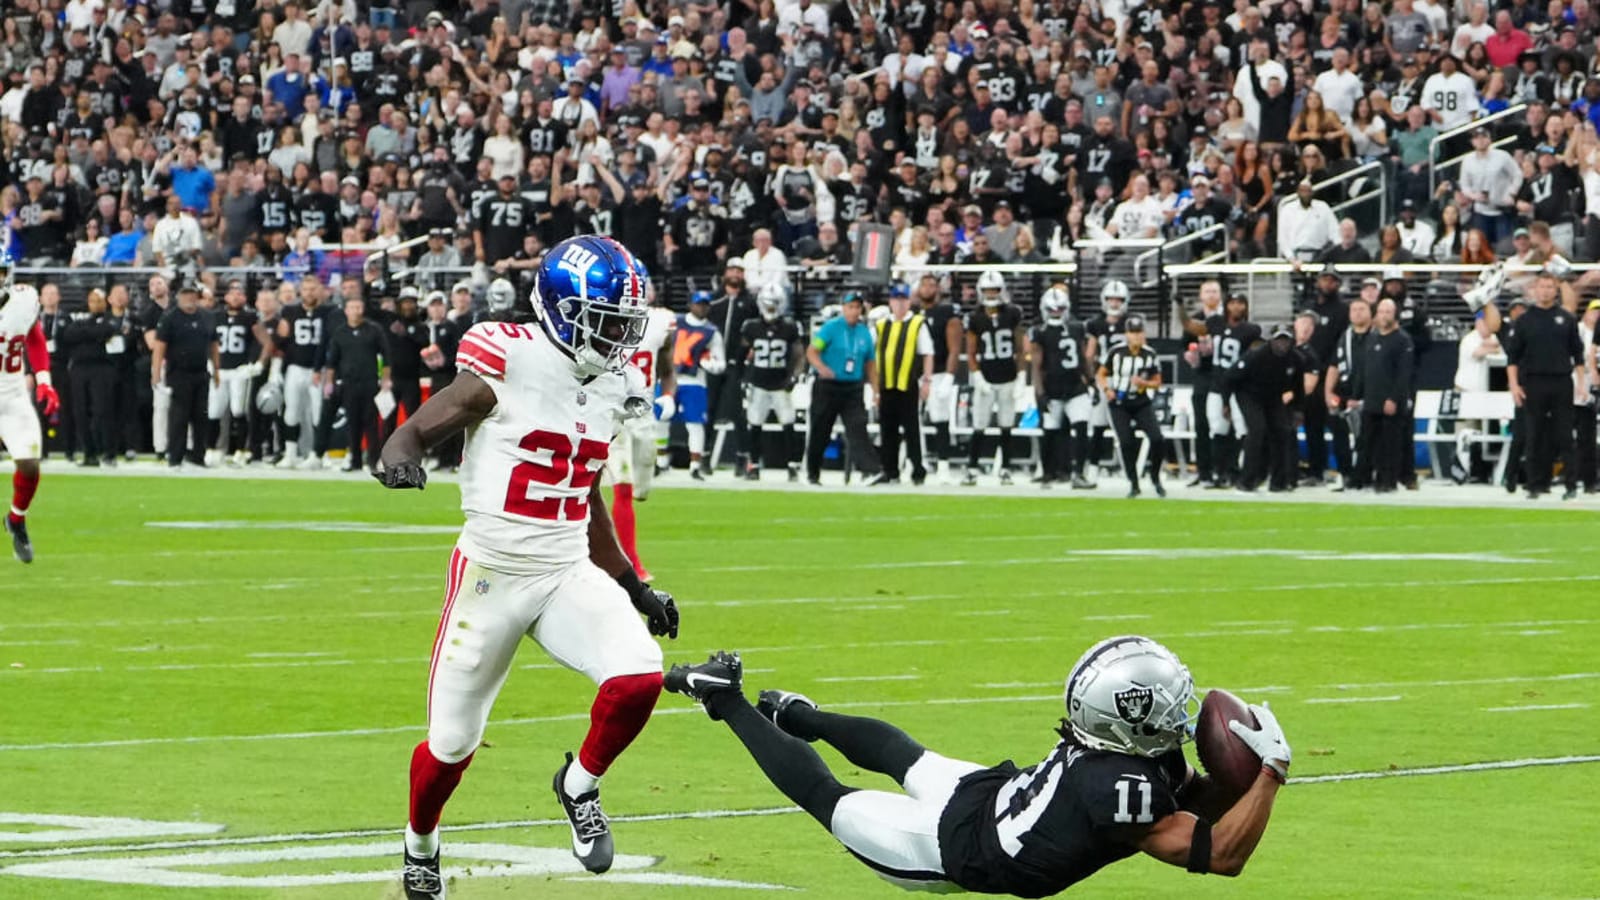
[{"x": 1134, "y": 704}]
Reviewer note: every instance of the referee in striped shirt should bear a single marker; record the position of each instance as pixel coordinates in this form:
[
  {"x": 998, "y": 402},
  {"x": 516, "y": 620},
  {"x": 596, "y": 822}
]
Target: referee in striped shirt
[
  {"x": 905, "y": 371},
  {"x": 1128, "y": 379}
]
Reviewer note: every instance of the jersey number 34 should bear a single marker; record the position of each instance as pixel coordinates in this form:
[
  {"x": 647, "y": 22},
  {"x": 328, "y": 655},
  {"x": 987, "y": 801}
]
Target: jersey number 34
[{"x": 568, "y": 467}]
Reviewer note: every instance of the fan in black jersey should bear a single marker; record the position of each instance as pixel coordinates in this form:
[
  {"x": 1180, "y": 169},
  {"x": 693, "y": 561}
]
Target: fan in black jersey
[
  {"x": 244, "y": 346},
  {"x": 275, "y": 206},
  {"x": 1114, "y": 784},
  {"x": 1106, "y": 334},
  {"x": 1059, "y": 353},
  {"x": 773, "y": 356},
  {"x": 499, "y": 222},
  {"x": 1231, "y": 335},
  {"x": 1128, "y": 379},
  {"x": 303, "y": 334},
  {"x": 994, "y": 335}
]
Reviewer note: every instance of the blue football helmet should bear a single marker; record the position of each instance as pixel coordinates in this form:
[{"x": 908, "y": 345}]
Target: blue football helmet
[{"x": 590, "y": 298}]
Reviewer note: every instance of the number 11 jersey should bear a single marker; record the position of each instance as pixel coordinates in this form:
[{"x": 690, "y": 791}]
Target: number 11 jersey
[{"x": 528, "y": 466}]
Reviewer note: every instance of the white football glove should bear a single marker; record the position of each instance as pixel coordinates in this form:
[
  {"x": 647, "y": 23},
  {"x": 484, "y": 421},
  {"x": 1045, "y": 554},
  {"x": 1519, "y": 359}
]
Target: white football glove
[
  {"x": 666, "y": 407},
  {"x": 1267, "y": 740},
  {"x": 253, "y": 370},
  {"x": 1490, "y": 281}
]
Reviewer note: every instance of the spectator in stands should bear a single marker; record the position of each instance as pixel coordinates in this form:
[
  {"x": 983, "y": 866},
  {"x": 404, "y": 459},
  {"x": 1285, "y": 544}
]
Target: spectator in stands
[
  {"x": 1448, "y": 245},
  {"x": 1348, "y": 249},
  {"x": 765, "y": 264},
  {"x": 1507, "y": 43},
  {"x": 1416, "y": 236},
  {"x": 1490, "y": 179},
  {"x": 1306, "y": 225}
]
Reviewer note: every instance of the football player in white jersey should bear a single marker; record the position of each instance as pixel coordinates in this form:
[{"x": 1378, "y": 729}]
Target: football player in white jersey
[
  {"x": 22, "y": 347},
  {"x": 632, "y": 466},
  {"x": 538, "y": 556}
]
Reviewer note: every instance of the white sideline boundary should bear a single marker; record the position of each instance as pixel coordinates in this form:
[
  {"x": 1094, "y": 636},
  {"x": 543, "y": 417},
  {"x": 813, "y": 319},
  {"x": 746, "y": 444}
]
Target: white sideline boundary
[{"x": 455, "y": 830}]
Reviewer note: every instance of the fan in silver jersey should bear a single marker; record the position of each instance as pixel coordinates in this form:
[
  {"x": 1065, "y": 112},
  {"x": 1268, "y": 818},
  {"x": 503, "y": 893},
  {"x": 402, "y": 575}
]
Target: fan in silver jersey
[{"x": 1130, "y": 695}]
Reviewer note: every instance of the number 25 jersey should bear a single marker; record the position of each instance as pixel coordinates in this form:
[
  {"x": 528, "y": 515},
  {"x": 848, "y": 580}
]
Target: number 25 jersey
[{"x": 528, "y": 466}]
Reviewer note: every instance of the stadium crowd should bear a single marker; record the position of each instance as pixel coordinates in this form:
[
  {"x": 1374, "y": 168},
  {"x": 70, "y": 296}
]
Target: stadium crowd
[{"x": 735, "y": 144}]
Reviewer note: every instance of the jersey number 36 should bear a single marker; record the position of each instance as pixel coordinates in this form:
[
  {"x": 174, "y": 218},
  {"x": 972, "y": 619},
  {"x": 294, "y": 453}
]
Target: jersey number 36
[{"x": 566, "y": 468}]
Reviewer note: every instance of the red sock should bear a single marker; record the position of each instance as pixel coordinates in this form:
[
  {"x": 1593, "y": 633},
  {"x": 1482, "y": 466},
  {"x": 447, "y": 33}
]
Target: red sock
[
  {"x": 620, "y": 712},
  {"x": 432, "y": 783},
  {"x": 22, "y": 490},
  {"x": 622, "y": 518}
]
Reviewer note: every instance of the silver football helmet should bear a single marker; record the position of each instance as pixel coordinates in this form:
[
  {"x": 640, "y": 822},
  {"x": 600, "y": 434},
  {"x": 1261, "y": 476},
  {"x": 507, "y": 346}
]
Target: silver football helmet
[
  {"x": 269, "y": 400},
  {"x": 1130, "y": 695},
  {"x": 1117, "y": 291},
  {"x": 1054, "y": 305},
  {"x": 501, "y": 296},
  {"x": 992, "y": 289},
  {"x": 772, "y": 300}
]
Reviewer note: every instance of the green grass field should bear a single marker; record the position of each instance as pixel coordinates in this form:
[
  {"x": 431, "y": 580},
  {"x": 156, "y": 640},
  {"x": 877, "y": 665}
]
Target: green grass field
[{"x": 262, "y": 671}]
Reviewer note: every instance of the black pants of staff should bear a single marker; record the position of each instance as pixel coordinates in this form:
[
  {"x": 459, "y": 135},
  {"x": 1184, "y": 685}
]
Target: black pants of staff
[
  {"x": 1204, "y": 455},
  {"x": 93, "y": 385},
  {"x": 1408, "y": 439},
  {"x": 830, "y": 402},
  {"x": 1583, "y": 434},
  {"x": 66, "y": 415},
  {"x": 186, "y": 415},
  {"x": 1124, "y": 419},
  {"x": 1384, "y": 437},
  {"x": 1315, "y": 412},
  {"x": 1339, "y": 428},
  {"x": 1268, "y": 442},
  {"x": 322, "y": 429},
  {"x": 448, "y": 453},
  {"x": 407, "y": 397},
  {"x": 126, "y": 432},
  {"x": 898, "y": 422},
  {"x": 1516, "y": 450},
  {"x": 1547, "y": 412},
  {"x": 360, "y": 418}
]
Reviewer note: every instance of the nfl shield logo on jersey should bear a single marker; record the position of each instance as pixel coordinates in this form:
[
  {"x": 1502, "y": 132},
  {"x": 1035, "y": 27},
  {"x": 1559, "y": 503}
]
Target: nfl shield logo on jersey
[
  {"x": 482, "y": 587},
  {"x": 1134, "y": 704}
]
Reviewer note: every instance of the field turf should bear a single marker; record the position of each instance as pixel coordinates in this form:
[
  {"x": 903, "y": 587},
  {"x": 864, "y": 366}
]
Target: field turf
[{"x": 248, "y": 685}]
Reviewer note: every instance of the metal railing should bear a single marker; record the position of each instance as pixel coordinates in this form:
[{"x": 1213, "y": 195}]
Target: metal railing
[
  {"x": 1433, "y": 146},
  {"x": 1380, "y": 193},
  {"x": 1166, "y": 251}
]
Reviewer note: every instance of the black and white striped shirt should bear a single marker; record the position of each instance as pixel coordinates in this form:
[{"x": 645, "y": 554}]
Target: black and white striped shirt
[{"x": 1122, "y": 365}]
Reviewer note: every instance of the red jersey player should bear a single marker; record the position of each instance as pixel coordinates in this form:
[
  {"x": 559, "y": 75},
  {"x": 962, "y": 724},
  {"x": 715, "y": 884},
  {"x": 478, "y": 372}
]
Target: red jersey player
[
  {"x": 538, "y": 556},
  {"x": 632, "y": 466},
  {"x": 22, "y": 347}
]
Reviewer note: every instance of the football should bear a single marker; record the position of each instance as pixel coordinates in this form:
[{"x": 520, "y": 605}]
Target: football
[{"x": 1232, "y": 765}]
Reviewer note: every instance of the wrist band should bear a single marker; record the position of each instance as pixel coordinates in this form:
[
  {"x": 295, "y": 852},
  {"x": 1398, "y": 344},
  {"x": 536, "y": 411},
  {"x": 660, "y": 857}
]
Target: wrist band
[{"x": 1280, "y": 777}]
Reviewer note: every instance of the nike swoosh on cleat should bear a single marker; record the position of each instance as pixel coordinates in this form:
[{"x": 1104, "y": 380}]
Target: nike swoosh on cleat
[{"x": 694, "y": 678}]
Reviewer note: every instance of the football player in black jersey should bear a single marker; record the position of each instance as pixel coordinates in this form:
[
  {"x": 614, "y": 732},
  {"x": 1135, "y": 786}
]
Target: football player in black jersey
[
  {"x": 1198, "y": 356},
  {"x": 1106, "y": 334},
  {"x": 773, "y": 354},
  {"x": 1115, "y": 783},
  {"x": 994, "y": 336},
  {"x": 244, "y": 350},
  {"x": 1231, "y": 336},
  {"x": 1057, "y": 353},
  {"x": 303, "y": 332},
  {"x": 1128, "y": 379},
  {"x": 944, "y": 324}
]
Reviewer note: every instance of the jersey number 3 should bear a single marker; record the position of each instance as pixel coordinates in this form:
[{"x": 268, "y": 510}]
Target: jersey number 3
[{"x": 566, "y": 468}]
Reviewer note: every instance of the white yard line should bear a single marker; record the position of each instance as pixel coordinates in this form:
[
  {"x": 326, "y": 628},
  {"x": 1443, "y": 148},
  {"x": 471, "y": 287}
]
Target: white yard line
[
  {"x": 1389, "y": 699},
  {"x": 1493, "y": 766},
  {"x": 845, "y": 679},
  {"x": 1535, "y": 707}
]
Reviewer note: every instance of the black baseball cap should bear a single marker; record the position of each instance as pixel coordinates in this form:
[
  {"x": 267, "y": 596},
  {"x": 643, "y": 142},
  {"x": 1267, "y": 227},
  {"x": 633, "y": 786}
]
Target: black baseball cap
[{"x": 1133, "y": 323}]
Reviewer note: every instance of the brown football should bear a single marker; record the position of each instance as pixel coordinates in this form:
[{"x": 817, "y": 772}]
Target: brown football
[{"x": 1232, "y": 765}]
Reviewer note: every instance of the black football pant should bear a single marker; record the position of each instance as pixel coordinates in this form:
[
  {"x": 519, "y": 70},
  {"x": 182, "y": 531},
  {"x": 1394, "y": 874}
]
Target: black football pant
[
  {"x": 1583, "y": 434},
  {"x": 125, "y": 409},
  {"x": 66, "y": 415},
  {"x": 407, "y": 397},
  {"x": 186, "y": 414},
  {"x": 1339, "y": 425},
  {"x": 1547, "y": 412},
  {"x": 93, "y": 391},
  {"x": 1316, "y": 422},
  {"x": 449, "y": 450},
  {"x": 899, "y": 421},
  {"x": 830, "y": 402},
  {"x": 1123, "y": 420},
  {"x": 360, "y": 418},
  {"x": 1269, "y": 449},
  {"x": 1384, "y": 437},
  {"x": 1204, "y": 456}
]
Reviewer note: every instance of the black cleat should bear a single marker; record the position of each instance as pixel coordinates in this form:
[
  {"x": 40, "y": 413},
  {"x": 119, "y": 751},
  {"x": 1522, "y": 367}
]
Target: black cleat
[
  {"x": 591, "y": 830},
  {"x": 722, "y": 672},
  {"x": 421, "y": 879},
  {"x": 20, "y": 545},
  {"x": 1080, "y": 483},
  {"x": 1160, "y": 491},
  {"x": 774, "y": 704}
]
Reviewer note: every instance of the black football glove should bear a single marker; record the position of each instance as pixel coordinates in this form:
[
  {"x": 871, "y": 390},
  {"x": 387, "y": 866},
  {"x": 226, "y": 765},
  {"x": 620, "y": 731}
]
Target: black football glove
[
  {"x": 403, "y": 475},
  {"x": 660, "y": 613}
]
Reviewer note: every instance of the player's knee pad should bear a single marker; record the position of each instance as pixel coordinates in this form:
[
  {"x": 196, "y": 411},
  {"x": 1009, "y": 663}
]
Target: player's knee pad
[{"x": 452, "y": 742}]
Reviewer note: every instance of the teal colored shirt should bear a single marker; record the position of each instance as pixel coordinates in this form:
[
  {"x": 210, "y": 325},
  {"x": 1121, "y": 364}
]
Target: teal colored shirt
[
  {"x": 1413, "y": 145},
  {"x": 846, "y": 349}
]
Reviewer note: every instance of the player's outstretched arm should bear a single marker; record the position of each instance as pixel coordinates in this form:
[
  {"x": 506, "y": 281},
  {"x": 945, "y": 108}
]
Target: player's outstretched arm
[
  {"x": 464, "y": 402},
  {"x": 605, "y": 551}
]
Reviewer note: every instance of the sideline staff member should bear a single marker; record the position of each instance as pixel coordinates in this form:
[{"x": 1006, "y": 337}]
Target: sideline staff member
[
  {"x": 186, "y": 341},
  {"x": 905, "y": 362},
  {"x": 1544, "y": 359},
  {"x": 841, "y": 352}
]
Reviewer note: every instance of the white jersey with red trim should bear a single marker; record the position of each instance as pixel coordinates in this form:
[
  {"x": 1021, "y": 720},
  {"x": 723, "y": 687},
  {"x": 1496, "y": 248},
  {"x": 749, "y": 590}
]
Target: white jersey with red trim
[
  {"x": 17, "y": 318},
  {"x": 659, "y": 330},
  {"x": 528, "y": 466}
]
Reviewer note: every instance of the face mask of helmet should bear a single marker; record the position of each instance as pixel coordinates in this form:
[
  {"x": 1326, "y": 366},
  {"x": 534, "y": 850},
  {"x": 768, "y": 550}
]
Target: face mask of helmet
[
  {"x": 1130, "y": 695},
  {"x": 771, "y": 302}
]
